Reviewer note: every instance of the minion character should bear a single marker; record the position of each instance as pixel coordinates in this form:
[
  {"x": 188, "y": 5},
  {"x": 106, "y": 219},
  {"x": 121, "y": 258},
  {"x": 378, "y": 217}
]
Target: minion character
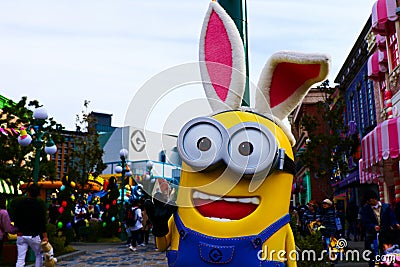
[{"x": 234, "y": 193}]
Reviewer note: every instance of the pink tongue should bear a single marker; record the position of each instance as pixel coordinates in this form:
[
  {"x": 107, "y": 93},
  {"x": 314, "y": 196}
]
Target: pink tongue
[{"x": 224, "y": 209}]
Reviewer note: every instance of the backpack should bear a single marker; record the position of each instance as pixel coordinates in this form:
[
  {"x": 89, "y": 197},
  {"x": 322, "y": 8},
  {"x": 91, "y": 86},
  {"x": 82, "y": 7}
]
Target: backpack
[{"x": 131, "y": 217}]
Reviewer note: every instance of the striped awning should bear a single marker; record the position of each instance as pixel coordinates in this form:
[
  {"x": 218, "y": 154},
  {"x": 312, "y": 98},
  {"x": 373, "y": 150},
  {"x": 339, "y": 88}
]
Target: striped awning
[
  {"x": 381, "y": 143},
  {"x": 381, "y": 42},
  {"x": 6, "y": 188},
  {"x": 377, "y": 65},
  {"x": 383, "y": 12}
]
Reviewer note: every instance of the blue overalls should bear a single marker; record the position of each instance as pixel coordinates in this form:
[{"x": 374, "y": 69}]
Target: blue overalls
[{"x": 196, "y": 249}]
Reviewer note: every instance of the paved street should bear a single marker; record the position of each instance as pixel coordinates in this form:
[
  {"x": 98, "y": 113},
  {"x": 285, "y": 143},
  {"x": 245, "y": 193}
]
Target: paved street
[
  {"x": 113, "y": 255},
  {"x": 119, "y": 255}
]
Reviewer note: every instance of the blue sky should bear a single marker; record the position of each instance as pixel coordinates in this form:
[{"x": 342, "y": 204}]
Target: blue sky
[{"x": 63, "y": 52}]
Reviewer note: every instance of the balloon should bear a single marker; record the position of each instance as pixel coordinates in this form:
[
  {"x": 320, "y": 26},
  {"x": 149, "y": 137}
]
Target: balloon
[
  {"x": 114, "y": 202},
  {"x": 60, "y": 210},
  {"x": 64, "y": 203},
  {"x": 73, "y": 184},
  {"x": 119, "y": 230},
  {"x": 112, "y": 219},
  {"x": 86, "y": 222},
  {"x": 73, "y": 197},
  {"x": 62, "y": 187},
  {"x": 60, "y": 225},
  {"x": 104, "y": 224},
  {"x": 69, "y": 225},
  {"x": 107, "y": 206}
]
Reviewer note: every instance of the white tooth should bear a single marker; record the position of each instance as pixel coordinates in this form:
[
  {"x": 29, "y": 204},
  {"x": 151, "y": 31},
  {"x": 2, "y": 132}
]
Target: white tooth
[
  {"x": 213, "y": 198},
  {"x": 203, "y": 196},
  {"x": 255, "y": 200},
  {"x": 230, "y": 199},
  {"x": 219, "y": 219},
  {"x": 195, "y": 194},
  {"x": 245, "y": 200}
]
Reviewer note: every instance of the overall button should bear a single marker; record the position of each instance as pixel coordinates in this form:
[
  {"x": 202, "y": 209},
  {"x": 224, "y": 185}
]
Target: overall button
[{"x": 257, "y": 241}]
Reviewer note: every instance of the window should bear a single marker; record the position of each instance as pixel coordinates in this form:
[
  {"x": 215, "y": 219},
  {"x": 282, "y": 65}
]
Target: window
[
  {"x": 393, "y": 48},
  {"x": 370, "y": 102},
  {"x": 353, "y": 108},
  {"x": 361, "y": 107}
]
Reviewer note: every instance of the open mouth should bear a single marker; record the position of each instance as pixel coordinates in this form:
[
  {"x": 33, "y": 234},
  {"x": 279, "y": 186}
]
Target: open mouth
[{"x": 224, "y": 208}]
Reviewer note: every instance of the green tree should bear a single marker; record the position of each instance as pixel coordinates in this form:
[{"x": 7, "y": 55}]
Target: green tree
[
  {"x": 16, "y": 161},
  {"x": 86, "y": 157},
  {"x": 327, "y": 148}
]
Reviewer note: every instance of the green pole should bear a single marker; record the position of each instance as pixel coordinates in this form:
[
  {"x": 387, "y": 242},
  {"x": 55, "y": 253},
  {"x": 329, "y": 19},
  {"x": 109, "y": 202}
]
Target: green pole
[
  {"x": 237, "y": 10},
  {"x": 37, "y": 162},
  {"x": 38, "y": 145}
]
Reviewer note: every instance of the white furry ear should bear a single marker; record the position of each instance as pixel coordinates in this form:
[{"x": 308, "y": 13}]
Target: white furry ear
[
  {"x": 222, "y": 63},
  {"x": 286, "y": 79}
]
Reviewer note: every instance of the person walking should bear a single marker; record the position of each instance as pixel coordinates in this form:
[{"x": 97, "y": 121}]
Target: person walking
[
  {"x": 81, "y": 214},
  {"x": 30, "y": 219},
  {"x": 54, "y": 212},
  {"x": 136, "y": 225},
  {"x": 310, "y": 215},
  {"x": 377, "y": 217},
  {"x": 5, "y": 223},
  {"x": 146, "y": 228}
]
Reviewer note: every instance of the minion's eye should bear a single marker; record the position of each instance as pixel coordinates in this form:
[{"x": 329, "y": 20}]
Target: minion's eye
[
  {"x": 200, "y": 142},
  {"x": 204, "y": 144},
  {"x": 251, "y": 149},
  {"x": 245, "y": 148}
]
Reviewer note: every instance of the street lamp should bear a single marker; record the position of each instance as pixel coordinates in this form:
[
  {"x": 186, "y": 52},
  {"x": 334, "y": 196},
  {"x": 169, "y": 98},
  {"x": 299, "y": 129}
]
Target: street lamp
[
  {"x": 41, "y": 137},
  {"x": 123, "y": 169}
]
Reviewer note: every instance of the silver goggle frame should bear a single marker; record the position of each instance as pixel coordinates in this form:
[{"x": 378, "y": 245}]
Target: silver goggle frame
[{"x": 248, "y": 148}]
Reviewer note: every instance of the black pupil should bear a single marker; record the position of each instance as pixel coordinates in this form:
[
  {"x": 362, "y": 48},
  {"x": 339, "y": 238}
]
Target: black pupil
[
  {"x": 204, "y": 144},
  {"x": 246, "y": 148}
]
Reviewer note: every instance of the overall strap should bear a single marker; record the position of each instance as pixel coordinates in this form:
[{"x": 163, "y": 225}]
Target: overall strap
[
  {"x": 259, "y": 239},
  {"x": 182, "y": 230}
]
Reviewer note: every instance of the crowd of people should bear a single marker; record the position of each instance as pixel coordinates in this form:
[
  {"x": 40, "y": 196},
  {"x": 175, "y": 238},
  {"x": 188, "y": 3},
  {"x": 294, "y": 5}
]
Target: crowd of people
[
  {"x": 375, "y": 223},
  {"x": 137, "y": 224}
]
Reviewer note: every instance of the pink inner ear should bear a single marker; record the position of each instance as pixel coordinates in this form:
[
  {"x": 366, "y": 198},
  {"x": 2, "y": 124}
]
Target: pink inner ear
[
  {"x": 218, "y": 49},
  {"x": 288, "y": 77}
]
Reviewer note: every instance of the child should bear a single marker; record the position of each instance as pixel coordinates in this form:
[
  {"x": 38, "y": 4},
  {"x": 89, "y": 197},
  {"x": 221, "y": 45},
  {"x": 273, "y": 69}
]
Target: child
[{"x": 391, "y": 251}]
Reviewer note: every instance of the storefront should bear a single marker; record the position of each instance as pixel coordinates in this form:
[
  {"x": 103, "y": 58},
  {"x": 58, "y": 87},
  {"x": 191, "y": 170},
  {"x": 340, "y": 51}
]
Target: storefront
[{"x": 380, "y": 159}]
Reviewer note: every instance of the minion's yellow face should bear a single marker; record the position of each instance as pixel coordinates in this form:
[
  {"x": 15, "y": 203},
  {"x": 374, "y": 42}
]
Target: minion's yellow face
[{"x": 233, "y": 179}]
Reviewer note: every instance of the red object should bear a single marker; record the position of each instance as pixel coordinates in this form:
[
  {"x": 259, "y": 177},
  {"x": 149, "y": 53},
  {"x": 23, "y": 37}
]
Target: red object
[
  {"x": 61, "y": 210},
  {"x": 377, "y": 65},
  {"x": 114, "y": 202},
  {"x": 218, "y": 57},
  {"x": 383, "y": 13},
  {"x": 224, "y": 209},
  {"x": 107, "y": 206},
  {"x": 64, "y": 203},
  {"x": 105, "y": 185},
  {"x": 282, "y": 87}
]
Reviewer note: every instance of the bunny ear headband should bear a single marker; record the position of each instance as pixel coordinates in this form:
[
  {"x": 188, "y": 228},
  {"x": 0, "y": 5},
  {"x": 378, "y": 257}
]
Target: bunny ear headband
[{"x": 284, "y": 81}]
